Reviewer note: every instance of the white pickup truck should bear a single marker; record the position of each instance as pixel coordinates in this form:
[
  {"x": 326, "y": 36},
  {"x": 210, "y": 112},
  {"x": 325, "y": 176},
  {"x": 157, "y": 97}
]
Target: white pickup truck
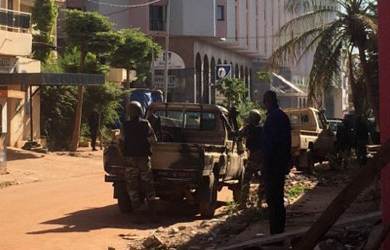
[{"x": 312, "y": 141}]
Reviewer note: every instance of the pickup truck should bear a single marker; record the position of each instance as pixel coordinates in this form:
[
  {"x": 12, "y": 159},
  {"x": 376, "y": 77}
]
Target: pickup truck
[
  {"x": 312, "y": 141},
  {"x": 197, "y": 153}
]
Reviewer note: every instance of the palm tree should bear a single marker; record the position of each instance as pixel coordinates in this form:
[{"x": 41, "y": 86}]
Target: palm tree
[{"x": 333, "y": 29}]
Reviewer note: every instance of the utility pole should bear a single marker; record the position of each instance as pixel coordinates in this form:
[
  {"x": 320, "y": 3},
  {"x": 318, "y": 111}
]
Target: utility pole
[
  {"x": 152, "y": 68},
  {"x": 166, "y": 76}
]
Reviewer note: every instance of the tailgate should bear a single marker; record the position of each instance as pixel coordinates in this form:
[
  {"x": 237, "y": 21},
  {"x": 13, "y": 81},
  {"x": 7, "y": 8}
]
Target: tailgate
[
  {"x": 176, "y": 156},
  {"x": 176, "y": 162}
]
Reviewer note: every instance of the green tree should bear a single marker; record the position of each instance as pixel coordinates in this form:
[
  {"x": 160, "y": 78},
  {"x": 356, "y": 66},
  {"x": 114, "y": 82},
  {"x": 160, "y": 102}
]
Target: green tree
[
  {"x": 333, "y": 29},
  {"x": 90, "y": 32},
  {"x": 57, "y": 115},
  {"x": 134, "y": 52},
  {"x": 44, "y": 15},
  {"x": 233, "y": 89}
]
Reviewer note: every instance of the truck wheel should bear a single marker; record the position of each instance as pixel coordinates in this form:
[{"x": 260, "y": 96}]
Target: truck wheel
[
  {"x": 124, "y": 202},
  {"x": 207, "y": 208},
  {"x": 305, "y": 162}
]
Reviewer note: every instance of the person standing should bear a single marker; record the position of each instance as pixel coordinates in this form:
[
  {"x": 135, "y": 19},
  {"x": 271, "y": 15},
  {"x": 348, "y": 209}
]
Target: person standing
[
  {"x": 361, "y": 140},
  {"x": 276, "y": 160},
  {"x": 253, "y": 133},
  {"x": 93, "y": 122},
  {"x": 137, "y": 137}
]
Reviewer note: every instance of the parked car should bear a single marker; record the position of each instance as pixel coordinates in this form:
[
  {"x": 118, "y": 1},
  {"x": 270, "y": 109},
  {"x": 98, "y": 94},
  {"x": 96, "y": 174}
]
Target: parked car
[
  {"x": 333, "y": 124},
  {"x": 312, "y": 141}
]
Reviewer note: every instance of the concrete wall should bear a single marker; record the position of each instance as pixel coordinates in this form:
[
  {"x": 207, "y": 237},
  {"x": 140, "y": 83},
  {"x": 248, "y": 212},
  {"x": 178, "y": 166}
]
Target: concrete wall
[{"x": 15, "y": 44}]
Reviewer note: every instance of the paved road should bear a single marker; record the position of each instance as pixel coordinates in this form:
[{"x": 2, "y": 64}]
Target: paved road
[{"x": 66, "y": 205}]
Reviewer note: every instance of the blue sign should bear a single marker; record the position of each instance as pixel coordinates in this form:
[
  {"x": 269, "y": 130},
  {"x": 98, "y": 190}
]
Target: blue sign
[{"x": 223, "y": 71}]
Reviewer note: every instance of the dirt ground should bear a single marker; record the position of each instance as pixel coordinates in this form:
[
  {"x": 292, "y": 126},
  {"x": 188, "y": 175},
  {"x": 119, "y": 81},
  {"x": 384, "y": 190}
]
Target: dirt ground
[{"x": 60, "y": 201}]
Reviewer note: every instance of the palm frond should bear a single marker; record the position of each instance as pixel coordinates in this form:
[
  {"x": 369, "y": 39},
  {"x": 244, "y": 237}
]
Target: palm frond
[
  {"x": 326, "y": 66},
  {"x": 300, "y": 6},
  {"x": 308, "y": 20},
  {"x": 329, "y": 29},
  {"x": 293, "y": 48}
]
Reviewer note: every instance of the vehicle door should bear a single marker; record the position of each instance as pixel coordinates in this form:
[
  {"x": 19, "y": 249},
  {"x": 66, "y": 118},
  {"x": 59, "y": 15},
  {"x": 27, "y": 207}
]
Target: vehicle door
[{"x": 234, "y": 161}]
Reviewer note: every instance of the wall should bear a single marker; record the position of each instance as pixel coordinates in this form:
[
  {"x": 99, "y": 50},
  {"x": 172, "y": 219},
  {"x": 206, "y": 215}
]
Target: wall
[
  {"x": 199, "y": 18},
  {"x": 15, "y": 44},
  {"x": 19, "y": 109},
  {"x": 384, "y": 75}
]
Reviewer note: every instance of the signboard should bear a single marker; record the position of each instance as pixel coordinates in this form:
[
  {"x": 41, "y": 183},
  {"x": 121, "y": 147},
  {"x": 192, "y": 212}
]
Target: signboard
[
  {"x": 174, "y": 61},
  {"x": 159, "y": 82},
  {"x": 223, "y": 71}
]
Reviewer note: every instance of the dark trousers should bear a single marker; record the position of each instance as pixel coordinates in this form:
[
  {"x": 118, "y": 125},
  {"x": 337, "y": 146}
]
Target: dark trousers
[
  {"x": 93, "y": 138},
  {"x": 274, "y": 192}
]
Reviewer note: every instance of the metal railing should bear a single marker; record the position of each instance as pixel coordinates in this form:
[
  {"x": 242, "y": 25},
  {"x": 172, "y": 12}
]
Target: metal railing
[{"x": 15, "y": 20}]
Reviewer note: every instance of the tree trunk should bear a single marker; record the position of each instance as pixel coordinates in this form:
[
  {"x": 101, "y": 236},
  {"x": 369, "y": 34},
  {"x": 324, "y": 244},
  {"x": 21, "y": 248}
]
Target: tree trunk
[
  {"x": 356, "y": 96},
  {"x": 79, "y": 110},
  {"x": 368, "y": 83}
]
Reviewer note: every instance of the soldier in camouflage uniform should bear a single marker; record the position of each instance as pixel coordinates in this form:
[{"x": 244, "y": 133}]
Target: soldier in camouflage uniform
[
  {"x": 253, "y": 133},
  {"x": 137, "y": 137}
]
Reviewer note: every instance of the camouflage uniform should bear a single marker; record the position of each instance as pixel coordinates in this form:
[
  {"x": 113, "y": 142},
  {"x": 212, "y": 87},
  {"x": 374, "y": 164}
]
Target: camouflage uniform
[
  {"x": 252, "y": 167},
  {"x": 253, "y": 135},
  {"x": 138, "y": 173}
]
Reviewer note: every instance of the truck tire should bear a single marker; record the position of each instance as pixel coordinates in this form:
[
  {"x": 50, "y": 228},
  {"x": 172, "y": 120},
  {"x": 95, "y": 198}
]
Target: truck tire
[
  {"x": 305, "y": 162},
  {"x": 207, "y": 208},
  {"x": 124, "y": 202}
]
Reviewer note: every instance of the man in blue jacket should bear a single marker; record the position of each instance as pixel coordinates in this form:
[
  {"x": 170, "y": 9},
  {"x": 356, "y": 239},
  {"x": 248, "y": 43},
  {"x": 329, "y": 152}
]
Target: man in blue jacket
[{"x": 276, "y": 160}]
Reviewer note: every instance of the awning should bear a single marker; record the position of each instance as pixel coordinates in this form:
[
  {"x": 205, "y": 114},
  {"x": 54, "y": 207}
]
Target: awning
[
  {"x": 51, "y": 79},
  {"x": 289, "y": 84}
]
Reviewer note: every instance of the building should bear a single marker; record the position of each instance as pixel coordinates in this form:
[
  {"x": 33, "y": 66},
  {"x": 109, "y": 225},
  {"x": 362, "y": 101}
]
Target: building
[
  {"x": 21, "y": 78},
  {"x": 15, "y": 50},
  {"x": 204, "y": 33}
]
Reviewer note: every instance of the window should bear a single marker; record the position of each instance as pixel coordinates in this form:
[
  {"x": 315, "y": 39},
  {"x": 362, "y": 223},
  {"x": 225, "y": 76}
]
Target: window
[
  {"x": 304, "y": 118},
  {"x": 10, "y": 4},
  {"x": 173, "y": 119},
  {"x": 220, "y": 13},
  {"x": 156, "y": 18},
  {"x": 187, "y": 120},
  {"x": 294, "y": 119}
]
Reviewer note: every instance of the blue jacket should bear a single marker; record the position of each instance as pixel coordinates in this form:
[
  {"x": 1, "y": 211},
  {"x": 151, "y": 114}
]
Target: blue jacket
[{"x": 276, "y": 141}]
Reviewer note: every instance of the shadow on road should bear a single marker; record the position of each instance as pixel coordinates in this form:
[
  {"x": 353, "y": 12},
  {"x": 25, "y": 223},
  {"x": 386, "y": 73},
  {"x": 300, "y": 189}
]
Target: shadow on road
[
  {"x": 13, "y": 155},
  {"x": 110, "y": 217}
]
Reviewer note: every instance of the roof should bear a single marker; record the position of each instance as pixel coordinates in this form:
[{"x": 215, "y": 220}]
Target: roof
[
  {"x": 299, "y": 109},
  {"x": 51, "y": 79}
]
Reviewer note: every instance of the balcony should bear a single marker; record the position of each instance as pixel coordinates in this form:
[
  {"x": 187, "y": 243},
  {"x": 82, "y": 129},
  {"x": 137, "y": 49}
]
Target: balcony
[{"x": 15, "y": 33}]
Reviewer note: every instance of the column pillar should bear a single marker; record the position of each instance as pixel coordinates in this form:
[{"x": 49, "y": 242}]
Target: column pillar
[{"x": 384, "y": 76}]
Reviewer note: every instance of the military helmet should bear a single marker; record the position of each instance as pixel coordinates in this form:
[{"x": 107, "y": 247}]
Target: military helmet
[
  {"x": 135, "y": 109},
  {"x": 254, "y": 116}
]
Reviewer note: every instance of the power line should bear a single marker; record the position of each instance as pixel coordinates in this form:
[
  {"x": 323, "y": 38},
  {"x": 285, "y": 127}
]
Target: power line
[{"x": 124, "y": 6}]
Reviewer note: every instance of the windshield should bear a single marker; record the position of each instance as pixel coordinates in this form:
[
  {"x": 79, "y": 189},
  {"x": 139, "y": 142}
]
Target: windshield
[{"x": 187, "y": 119}]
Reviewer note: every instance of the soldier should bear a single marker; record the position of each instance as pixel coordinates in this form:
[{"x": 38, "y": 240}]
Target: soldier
[
  {"x": 253, "y": 133},
  {"x": 361, "y": 140},
  {"x": 93, "y": 122},
  {"x": 137, "y": 137}
]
